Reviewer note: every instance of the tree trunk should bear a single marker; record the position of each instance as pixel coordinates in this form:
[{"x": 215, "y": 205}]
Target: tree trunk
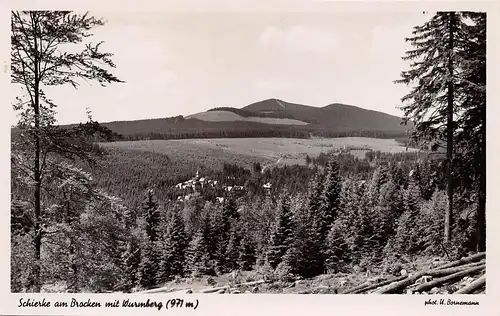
[
  {"x": 37, "y": 172},
  {"x": 466, "y": 260},
  {"x": 449, "y": 143},
  {"x": 477, "y": 284},
  {"x": 73, "y": 276},
  {"x": 481, "y": 211}
]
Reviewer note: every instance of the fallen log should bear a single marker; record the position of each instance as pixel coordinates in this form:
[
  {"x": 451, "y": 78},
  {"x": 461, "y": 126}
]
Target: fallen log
[
  {"x": 214, "y": 289},
  {"x": 455, "y": 269},
  {"x": 364, "y": 287},
  {"x": 473, "y": 258},
  {"x": 396, "y": 287},
  {"x": 250, "y": 283},
  {"x": 157, "y": 290},
  {"x": 448, "y": 278},
  {"x": 471, "y": 288}
]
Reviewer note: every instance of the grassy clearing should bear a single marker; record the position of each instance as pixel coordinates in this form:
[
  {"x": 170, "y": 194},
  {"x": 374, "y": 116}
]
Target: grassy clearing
[
  {"x": 226, "y": 116},
  {"x": 178, "y": 150},
  {"x": 244, "y": 151}
]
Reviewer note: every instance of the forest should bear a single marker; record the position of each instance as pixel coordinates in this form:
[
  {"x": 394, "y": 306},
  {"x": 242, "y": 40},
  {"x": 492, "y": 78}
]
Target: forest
[
  {"x": 182, "y": 128},
  {"x": 89, "y": 219}
]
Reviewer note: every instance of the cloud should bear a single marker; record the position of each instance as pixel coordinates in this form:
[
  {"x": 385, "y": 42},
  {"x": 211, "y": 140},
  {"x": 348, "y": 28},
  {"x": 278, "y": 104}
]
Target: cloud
[{"x": 299, "y": 38}]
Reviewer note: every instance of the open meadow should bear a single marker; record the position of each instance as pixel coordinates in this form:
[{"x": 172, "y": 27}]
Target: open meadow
[{"x": 244, "y": 151}]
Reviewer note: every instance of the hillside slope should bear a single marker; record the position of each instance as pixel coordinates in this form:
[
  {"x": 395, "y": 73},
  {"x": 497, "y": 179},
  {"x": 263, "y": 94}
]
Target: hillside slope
[
  {"x": 227, "y": 116},
  {"x": 267, "y": 118},
  {"x": 336, "y": 116}
]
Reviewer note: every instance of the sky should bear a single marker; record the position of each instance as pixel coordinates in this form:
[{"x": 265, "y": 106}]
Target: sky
[{"x": 181, "y": 63}]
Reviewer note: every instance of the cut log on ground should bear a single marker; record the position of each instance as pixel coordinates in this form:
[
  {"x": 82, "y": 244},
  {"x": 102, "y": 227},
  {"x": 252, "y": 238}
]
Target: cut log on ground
[
  {"x": 250, "y": 283},
  {"x": 471, "y": 288},
  {"x": 473, "y": 258},
  {"x": 214, "y": 289},
  {"x": 448, "y": 278},
  {"x": 447, "y": 271},
  {"x": 364, "y": 288},
  {"x": 397, "y": 287}
]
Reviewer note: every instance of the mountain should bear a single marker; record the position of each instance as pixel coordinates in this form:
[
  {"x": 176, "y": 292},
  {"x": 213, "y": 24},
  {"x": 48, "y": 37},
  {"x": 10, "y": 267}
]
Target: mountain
[
  {"x": 336, "y": 115},
  {"x": 267, "y": 118},
  {"x": 231, "y": 116}
]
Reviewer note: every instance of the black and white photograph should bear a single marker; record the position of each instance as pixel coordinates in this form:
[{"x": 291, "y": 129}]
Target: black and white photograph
[{"x": 248, "y": 152}]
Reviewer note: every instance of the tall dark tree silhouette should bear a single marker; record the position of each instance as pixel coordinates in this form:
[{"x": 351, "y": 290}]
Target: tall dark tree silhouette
[
  {"x": 471, "y": 124},
  {"x": 39, "y": 59},
  {"x": 432, "y": 100}
]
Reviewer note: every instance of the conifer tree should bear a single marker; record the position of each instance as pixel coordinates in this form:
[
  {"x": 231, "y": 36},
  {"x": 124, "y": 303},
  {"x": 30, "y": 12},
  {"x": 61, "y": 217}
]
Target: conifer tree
[
  {"x": 315, "y": 191},
  {"x": 198, "y": 260},
  {"x": 100, "y": 244},
  {"x": 229, "y": 210},
  {"x": 247, "y": 254},
  {"x": 150, "y": 254},
  {"x": 151, "y": 216},
  {"x": 330, "y": 198},
  {"x": 432, "y": 101},
  {"x": 173, "y": 248},
  {"x": 131, "y": 256},
  {"x": 282, "y": 235},
  {"x": 148, "y": 265},
  {"x": 233, "y": 249},
  {"x": 131, "y": 259},
  {"x": 408, "y": 238},
  {"x": 380, "y": 176},
  {"x": 471, "y": 124},
  {"x": 342, "y": 237},
  {"x": 307, "y": 252}
]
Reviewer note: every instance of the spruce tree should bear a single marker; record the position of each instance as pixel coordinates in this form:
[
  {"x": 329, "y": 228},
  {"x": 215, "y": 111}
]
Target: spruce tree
[
  {"x": 380, "y": 177},
  {"x": 131, "y": 260},
  {"x": 307, "y": 252},
  {"x": 315, "y": 191},
  {"x": 408, "y": 238},
  {"x": 131, "y": 257},
  {"x": 173, "y": 248},
  {"x": 330, "y": 198},
  {"x": 432, "y": 101},
  {"x": 232, "y": 254},
  {"x": 151, "y": 216},
  {"x": 471, "y": 123},
  {"x": 282, "y": 235},
  {"x": 150, "y": 255},
  {"x": 148, "y": 265},
  {"x": 337, "y": 255},
  {"x": 247, "y": 254},
  {"x": 198, "y": 259}
]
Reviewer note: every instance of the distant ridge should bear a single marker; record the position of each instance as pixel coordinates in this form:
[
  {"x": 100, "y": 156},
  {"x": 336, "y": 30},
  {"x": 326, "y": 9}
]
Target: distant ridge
[
  {"x": 267, "y": 118},
  {"x": 335, "y": 115}
]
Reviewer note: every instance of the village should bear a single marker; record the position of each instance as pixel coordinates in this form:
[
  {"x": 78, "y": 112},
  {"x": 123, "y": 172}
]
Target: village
[{"x": 199, "y": 183}]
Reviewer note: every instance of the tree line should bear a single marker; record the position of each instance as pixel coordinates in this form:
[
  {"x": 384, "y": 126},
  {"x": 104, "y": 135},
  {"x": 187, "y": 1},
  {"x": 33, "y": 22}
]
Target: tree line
[{"x": 336, "y": 223}]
